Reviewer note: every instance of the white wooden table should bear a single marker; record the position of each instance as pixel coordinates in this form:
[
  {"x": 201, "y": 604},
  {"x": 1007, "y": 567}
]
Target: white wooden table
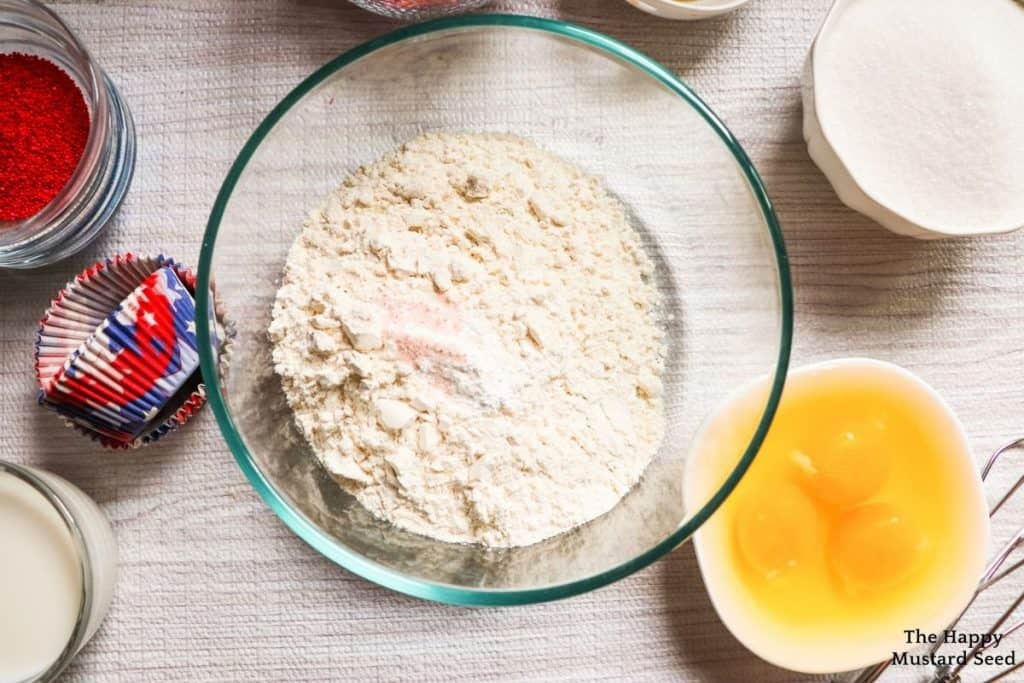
[{"x": 214, "y": 588}]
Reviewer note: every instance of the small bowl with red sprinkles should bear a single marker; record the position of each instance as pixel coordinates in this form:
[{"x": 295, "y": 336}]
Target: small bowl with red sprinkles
[{"x": 67, "y": 142}]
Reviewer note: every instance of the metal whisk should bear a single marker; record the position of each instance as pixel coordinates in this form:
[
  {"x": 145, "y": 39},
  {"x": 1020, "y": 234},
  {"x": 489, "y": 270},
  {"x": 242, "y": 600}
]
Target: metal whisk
[{"x": 998, "y": 569}]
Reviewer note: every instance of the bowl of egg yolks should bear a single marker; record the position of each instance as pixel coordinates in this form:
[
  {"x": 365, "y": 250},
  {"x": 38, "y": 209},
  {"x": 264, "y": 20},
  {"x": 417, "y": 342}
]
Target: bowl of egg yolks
[{"x": 862, "y": 515}]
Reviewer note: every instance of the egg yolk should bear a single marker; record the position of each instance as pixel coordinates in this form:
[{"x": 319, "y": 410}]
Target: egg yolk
[
  {"x": 777, "y": 529},
  {"x": 875, "y": 546},
  {"x": 846, "y": 466}
]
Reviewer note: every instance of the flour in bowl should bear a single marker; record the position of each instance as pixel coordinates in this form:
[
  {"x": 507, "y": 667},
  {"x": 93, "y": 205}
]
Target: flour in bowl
[{"x": 466, "y": 334}]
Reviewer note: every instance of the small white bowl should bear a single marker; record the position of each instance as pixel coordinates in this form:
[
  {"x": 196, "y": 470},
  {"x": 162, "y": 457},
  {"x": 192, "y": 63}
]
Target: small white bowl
[
  {"x": 688, "y": 10},
  {"x": 845, "y": 185},
  {"x": 850, "y": 191},
  {"x": 831, "y": 164},
  {"x": 827, "y": 655}
]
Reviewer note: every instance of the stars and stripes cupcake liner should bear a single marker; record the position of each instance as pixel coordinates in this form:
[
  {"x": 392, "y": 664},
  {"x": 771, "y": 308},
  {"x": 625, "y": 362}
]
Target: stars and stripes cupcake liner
[{"x": 116, "y": 352}]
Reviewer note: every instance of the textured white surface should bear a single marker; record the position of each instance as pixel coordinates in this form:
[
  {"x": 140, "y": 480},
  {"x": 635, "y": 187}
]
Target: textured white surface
[{"x": 214, "y": 588}]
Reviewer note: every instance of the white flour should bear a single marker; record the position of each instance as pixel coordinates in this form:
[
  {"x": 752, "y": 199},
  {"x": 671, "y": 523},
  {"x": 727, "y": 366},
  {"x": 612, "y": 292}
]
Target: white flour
[{"x": 466, "y": 335}]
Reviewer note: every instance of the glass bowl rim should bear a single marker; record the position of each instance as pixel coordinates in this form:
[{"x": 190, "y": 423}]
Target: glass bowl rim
[{"x": 357, "y": 563}]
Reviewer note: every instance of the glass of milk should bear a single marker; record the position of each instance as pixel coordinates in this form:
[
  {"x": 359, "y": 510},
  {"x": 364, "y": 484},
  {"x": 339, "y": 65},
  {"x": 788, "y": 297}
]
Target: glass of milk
[{"x": 58, "y": 565}]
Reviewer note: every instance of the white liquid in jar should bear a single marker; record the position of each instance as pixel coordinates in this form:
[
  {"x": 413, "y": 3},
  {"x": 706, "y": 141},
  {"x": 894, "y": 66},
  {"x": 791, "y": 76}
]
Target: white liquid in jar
[{"x": 40, "y": 581}]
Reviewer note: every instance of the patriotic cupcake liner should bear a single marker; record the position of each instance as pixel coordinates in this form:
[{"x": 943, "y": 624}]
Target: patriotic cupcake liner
[{"x": 116, "y": 351}]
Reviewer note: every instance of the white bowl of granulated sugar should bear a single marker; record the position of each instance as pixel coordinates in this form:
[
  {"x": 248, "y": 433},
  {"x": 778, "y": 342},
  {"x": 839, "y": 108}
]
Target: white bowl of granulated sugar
[{"x": 912, "y": 111}]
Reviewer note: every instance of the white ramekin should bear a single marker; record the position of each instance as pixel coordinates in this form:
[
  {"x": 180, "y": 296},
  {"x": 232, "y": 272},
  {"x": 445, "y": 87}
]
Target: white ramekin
[
  {"x": 690, "y": 11},
  {"x": 823, "y": 153},
  {"x": 756, "y": 635}
]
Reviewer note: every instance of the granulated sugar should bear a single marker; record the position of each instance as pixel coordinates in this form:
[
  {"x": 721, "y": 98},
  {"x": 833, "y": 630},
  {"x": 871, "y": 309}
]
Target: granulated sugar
[
  {"x": 923, "y": 102},
  {"x": 466, "y": 334}
]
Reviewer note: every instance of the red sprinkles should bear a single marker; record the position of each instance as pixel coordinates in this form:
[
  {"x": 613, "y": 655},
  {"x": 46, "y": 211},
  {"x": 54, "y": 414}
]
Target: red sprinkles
[{"x": 44, "y": 125}]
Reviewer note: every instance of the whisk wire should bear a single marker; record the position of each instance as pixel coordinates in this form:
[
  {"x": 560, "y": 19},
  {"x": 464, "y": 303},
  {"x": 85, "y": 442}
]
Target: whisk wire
[{"x": 995, "y": 572}]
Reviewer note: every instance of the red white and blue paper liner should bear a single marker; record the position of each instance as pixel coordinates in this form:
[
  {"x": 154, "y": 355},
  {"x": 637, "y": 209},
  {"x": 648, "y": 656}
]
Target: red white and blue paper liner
[{"x": 116, "y": 351}]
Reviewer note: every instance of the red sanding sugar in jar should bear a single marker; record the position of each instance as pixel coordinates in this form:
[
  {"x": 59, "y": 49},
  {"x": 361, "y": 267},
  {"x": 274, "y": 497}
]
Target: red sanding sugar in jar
[{"x": 44, "y": 125}]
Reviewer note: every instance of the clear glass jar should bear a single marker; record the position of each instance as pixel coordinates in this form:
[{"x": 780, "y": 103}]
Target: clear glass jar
[
  {"x": 94, "y": 548},
  {"x": 97, "y": 187},
  {"x": 417, "y": 10}
]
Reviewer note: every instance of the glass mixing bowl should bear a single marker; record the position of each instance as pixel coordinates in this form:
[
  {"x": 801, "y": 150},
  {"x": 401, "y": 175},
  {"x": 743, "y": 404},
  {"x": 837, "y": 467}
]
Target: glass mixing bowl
[{"x": 690, "y": 191}]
